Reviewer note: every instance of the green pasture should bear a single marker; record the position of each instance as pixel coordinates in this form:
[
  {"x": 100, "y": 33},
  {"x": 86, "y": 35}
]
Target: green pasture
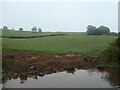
[
  {"x": 72, "y": 43},
  {"x": 10, "y": 33}
]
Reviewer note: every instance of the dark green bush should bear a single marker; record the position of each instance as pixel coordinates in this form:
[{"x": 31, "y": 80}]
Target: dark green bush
[{"x": 112, "y": 53}]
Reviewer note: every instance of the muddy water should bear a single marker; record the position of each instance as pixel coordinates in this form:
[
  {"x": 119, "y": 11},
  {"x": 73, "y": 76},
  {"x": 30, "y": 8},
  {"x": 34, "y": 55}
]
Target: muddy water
[{"x": 78, "y": 79}]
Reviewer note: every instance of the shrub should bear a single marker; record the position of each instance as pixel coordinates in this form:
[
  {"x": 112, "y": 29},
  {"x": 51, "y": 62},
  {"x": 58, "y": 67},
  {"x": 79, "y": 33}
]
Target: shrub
[{"x": 112, "y": 53}]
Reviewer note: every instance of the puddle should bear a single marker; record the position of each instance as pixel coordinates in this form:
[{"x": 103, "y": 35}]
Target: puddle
[{"x": 91, "y": 78}]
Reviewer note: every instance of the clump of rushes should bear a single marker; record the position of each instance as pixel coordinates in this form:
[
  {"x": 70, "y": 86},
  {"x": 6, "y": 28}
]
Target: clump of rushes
[{"x": 23, "y": 77}]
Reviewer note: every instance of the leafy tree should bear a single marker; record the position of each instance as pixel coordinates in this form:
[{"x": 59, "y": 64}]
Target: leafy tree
[
  {"x": 91, "y": 30},
  {"x": 20, "y": 29},
  {"x": 12, "y": 29},
  {"x": 34, "y": 29},
  {"x": 102, "y": 30},
  {"x": 5, "y": 28},
  {"x": 39, "y": 30}
]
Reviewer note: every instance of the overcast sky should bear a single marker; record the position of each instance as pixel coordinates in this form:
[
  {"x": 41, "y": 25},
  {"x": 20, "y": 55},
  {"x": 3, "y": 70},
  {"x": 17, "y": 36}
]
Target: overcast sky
[{"x": 60, "y": 16}]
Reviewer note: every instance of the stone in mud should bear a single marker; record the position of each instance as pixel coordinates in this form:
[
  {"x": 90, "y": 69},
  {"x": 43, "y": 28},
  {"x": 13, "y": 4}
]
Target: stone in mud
[
  {"x": 34, "y": 57},
  {"x": 57, "y": 56},
  {"x": 41, "y": 74},
  {"x": 70, "y": 55},
  {"x": 32, "y": 70},
  {"x": 33, "y": 67}
]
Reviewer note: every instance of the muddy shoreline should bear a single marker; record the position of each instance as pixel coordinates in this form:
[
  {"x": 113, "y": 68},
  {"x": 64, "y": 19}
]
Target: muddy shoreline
[{"x": 23, "y": 65}]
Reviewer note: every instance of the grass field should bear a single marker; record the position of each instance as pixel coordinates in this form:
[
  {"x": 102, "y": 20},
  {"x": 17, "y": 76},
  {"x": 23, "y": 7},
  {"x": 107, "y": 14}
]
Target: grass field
[
  {"x": 72, "y": 43},
  {"x": 16, "y": 33}
]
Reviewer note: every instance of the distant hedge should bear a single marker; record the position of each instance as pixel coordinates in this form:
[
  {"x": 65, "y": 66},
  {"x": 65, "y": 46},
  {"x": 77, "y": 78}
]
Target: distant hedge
[{"x": 17, "y": 37}]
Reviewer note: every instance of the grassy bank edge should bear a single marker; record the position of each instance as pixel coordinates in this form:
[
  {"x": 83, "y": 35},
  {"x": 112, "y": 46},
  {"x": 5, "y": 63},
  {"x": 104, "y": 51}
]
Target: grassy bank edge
[
  {"x": 86, "y": 52},
  {"x": 99, "y": 64}
]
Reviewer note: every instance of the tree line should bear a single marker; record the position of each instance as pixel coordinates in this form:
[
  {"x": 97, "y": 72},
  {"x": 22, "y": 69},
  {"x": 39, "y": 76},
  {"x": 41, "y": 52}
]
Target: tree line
[
  {"x": 102, "y": 30},
  {"x": 34, "y": 29},
  {"x": 91, "y": 30}
]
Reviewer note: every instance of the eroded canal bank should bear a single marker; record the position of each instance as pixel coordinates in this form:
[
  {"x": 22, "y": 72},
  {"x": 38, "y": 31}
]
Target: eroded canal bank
[{"x": 55, "y": 71}]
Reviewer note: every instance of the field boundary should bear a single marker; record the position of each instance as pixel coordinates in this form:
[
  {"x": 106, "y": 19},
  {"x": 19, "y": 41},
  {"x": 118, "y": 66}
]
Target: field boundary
[{"x": 33, "y": 36}]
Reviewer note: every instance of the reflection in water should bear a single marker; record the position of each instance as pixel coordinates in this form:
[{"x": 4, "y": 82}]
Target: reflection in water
[
  {"x": 91, "y": 78},
  {"x": 71, "y": 70},
  {"x": 112, "y": 76},
  {"x": 24, "y": 76}
]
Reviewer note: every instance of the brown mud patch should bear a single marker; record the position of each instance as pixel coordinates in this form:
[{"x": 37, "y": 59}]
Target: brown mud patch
[{"x": 29, "y": 65}]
